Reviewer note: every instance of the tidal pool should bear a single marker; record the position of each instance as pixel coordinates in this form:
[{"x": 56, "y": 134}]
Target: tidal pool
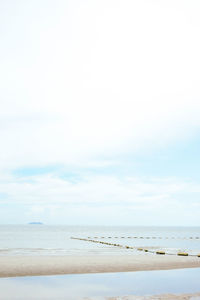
[{"x": 75, "y": 287}]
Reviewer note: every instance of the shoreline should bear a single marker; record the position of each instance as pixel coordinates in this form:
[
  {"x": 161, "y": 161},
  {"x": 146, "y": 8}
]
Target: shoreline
[
  {"x": 13, "y": 266},
  {"x": 189, "y": 296}
]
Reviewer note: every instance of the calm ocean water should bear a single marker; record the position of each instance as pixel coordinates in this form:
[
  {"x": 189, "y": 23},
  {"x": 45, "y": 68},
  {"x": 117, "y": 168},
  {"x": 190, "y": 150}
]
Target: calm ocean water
[{"x": 56, "y": 240}]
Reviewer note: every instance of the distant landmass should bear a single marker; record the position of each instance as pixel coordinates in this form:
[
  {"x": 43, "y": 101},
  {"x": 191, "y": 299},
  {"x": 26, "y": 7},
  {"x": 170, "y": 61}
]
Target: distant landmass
[{"x": 36, "y": 223}]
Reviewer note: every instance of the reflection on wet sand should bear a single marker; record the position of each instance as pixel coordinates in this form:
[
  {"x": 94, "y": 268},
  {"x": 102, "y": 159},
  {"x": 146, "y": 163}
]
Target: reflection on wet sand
[{"x": 100, "y": 286}]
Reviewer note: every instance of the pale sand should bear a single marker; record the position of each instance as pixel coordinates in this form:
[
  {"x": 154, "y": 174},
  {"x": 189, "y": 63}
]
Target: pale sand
[
  {"x": 195, "y": 296},
  {"x": 53, "y": 265}
]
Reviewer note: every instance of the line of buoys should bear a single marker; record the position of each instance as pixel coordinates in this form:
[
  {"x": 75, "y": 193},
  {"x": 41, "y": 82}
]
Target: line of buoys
[
  {"x": 160, "y": 252},
  {"x": 100, "y": 242},
  {"x": 145, "y": 237}
]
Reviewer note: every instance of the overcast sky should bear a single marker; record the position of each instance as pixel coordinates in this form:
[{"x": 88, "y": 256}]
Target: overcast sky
[{"x": 100, "y": 112}]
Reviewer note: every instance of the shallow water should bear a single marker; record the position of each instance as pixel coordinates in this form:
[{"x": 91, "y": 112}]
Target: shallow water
[
  {"x": 55, "y": 240},
  {"x": 75, "y": 287}
]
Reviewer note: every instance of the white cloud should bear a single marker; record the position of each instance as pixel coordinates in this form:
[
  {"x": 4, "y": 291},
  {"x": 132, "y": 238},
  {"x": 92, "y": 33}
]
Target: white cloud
[
  {"x": 93, "y": 189},
  {"x": 97, "y": 78},
  {"x": 108, "y": 198}
]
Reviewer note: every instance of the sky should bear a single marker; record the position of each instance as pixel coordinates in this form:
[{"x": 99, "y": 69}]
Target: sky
[{"x": 100, "y": 112}]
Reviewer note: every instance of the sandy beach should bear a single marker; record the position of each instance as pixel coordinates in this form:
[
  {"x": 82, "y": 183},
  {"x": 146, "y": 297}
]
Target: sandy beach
[
  {"x": 11, "y": 266},
  {"x": 195, "y": 296}
]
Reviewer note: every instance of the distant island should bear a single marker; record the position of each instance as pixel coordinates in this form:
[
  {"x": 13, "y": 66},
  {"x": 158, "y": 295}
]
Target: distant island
[{"x": 35, "y": 223}]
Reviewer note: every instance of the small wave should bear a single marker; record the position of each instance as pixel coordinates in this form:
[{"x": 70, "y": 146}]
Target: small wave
[{"x": 28, "y": 251}]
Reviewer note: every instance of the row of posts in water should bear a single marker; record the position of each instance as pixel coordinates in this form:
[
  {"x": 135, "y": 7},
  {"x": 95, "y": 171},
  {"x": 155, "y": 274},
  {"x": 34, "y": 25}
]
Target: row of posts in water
[{"x": 159, "y": 252}]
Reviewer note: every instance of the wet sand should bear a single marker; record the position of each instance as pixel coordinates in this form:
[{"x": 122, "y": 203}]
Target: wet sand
[
  {"x": 11, "y": 266},
  {"x": 195, "y": 296}
]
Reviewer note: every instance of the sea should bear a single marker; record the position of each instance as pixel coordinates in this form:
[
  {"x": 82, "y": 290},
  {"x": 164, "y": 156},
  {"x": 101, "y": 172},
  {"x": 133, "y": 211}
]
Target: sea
[{"x": 39, "y": 239}]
